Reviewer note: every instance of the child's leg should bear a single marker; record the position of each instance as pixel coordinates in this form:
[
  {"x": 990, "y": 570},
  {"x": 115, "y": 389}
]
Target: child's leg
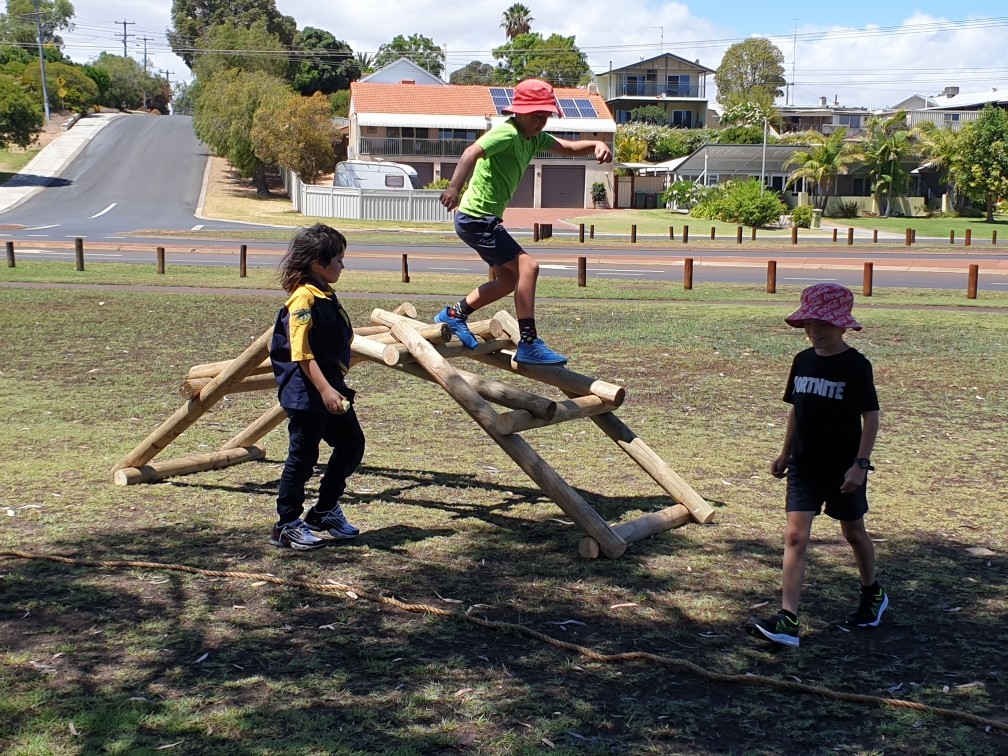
[
  {"x": 305, "y": 433},
  {"x": 796, "y": 538},
  {"x": 864, "y": 550},
  {"x": 344, "y": 434},
  {"x": 491, "y": 291}
]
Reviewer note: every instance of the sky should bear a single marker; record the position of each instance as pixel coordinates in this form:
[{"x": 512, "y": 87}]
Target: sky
[{"x": 859, "y": 52}]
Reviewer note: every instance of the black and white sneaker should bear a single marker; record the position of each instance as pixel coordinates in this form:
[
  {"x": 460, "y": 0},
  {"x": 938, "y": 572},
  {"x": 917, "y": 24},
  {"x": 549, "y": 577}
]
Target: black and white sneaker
[
  {"x": 295, "y": 535},
  {"x": 778, "y": 629},
  {"x": 334, "y": 522},
  {"x": 869, "y": 612}
]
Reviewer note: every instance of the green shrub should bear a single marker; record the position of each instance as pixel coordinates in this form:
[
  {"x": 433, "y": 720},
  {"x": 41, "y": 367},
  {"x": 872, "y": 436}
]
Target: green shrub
[
  {"x": 683, "y": 193},
  {"x": 743, "y": 135},
  {"x": 801, "y": 216},
  {"x": 599, "y": 193},
  {"x": 739, "y": 202},
  {"x": 21, "y": 116},
  {"x": 648, "y": 114},
  {"x": 340, "y": 101},
  {"x": 441, "y": 184},
  {"x": 849, "y": 209},
  {"x": 81, "y": 91}
]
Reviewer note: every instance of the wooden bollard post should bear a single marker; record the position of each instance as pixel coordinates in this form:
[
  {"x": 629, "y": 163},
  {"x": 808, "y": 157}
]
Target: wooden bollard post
[
  {"x": 243, "y": 261},
  {"x": 685, "y": 234},
  {"x": 591, "y": 231},
  {"x": 971, "y": 284},
  {"x": 548, "y": 229},
  {"x": 874, "y": 236},
  {"x": 535, "y": 232},
  {"x": 633, "y": 234},
  {"x": 581, "y": 233},
  {"x": 834, "y": 235},
  {"x": 969, "y": 237},
  {"x": 713, "y": 232},
  {"x": 913, "y": 235},
  {"x": 771, "y": 276},
  {"x": 738, "y": 235},
  {"x": 866, "y": 281},
  {"x": 160, "y": 261},
  {"x": 850, "y": 237},
  {"x": 671, "y": 233},
  {"x": 405, "y": 268},
  {"x": 754, "y": 233},
  {"x": 794, "y": 234},
  {"x": 10, "y": 254},
  {"x": 952, "y": 236},
  {"x": 79, "y": 253},
  {"x": 687, "y": 274},
  {"x": 908, "y": 237},
  {"x": 582, "y": 271},
  {"x": 994, "y": 237}
]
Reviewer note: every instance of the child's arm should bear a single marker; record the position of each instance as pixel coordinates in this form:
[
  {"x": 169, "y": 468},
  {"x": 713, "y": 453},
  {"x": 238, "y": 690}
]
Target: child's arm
[
  {"x": 463, "y": 172},
  {"x": 778, "y": 468},
  {"x": 331, "y": 398},
  {"x": 855, "y": 476},
  {"x": 567, "y": 148}
]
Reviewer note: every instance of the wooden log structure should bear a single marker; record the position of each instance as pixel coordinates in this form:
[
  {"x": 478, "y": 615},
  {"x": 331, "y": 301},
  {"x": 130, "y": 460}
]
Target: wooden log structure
[
  {"x": 191, "y": 387},
  {"x": 573, "y": 409},
  {"x": 155, "y": 471}
]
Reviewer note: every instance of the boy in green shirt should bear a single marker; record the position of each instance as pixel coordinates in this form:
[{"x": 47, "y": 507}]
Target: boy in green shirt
[{"x": 496, "y": 163}]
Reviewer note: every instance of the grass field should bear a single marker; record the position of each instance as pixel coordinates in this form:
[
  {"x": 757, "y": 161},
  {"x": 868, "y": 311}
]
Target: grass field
[
  {"x": 652, "y": 222},
  {"x": 12, "y": 161},
  {"x": 142, "y": 662},
  {"x": 937, "y": 227},
  {"x": 456, "y": 284}
]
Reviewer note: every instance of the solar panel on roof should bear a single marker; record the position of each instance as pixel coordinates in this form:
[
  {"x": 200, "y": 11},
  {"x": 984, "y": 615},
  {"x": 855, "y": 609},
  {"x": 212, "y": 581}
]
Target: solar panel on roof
[
  {"x": 502, "y": 98},
  {"x": 586, "y": 108},
  {"x": 569, "y": 108}
]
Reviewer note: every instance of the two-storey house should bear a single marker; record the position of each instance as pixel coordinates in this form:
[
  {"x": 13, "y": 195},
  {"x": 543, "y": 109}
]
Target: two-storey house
[{"x": 674, "y": 84}]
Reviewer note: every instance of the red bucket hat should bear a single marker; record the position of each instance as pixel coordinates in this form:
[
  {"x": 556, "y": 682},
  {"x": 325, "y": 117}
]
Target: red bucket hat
[
  {"x": 533, "y": 96},
  {"x": 825, "y": 301}
]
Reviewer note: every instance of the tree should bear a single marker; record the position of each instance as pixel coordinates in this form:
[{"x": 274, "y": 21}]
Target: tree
[
  {"x": 981, "y": 161},
  {"x": 327, "y": 64},
  {"x": 127, "y": 83},
  {"x": 416, "y": 47},
  {"x": 516, "y": 20},
  {"x": 296, "y": 133},
  {"x": 556, "y": 59},
  {"x": 191, "y": 19},
  {"x": 80, "y": 91},
  {"x": 648, "y": 114},
  {"x": 21, "y": 117},
  {"x": 749, "y": 69},
  {"x": 822, "y": 163},
  {"x": 183, "y": 100},
  {"x": 365, "y": 62},
  {"x": 476, "y": 72},
  {"x": 227, "y": 46},
  {"x": 17, "y": 25},
  {"x": 224, "y": 115},
  {"x": 939, "y": 150},
  {"x": 100, "y": 77},
  {"x": 885, "y": 146},
  {"x": 340, "y": 102},
  {"x": 743, "y": 135}
]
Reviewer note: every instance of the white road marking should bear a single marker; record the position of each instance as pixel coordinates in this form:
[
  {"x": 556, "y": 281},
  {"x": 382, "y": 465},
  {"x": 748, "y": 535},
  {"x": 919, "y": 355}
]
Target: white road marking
[
  {"x": 198, "y": 227},
  {"x": 96, "y": 215},
  {"x": 71, "y": 236},
  {"x": 810, "y": 279},
  {"x": 58, "y": 254},
  {"x": 467, "y": 270},
  {"x": 557, "y": 267},
  {"x": 633, "y": 272},
  {"x": 617, "y": 273},
  {"x": 39, "y": 228},
  {"x": 40, "y": 236}
]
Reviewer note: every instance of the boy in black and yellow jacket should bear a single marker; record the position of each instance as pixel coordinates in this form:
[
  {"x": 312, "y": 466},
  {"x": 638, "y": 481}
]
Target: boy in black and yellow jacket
[{"x": 310, "y": 353}]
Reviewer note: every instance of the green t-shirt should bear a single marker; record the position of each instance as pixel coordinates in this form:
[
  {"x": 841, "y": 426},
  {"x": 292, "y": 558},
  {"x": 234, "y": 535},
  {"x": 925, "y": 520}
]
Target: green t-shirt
[{"x": 495, "y": 178}]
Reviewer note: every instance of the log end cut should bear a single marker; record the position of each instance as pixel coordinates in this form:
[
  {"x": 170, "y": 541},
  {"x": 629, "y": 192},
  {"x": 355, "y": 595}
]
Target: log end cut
[{"x": 588, "y": 548}]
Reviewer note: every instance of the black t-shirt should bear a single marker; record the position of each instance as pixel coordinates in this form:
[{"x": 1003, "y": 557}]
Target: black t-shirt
[{"x": 829, "y": 394}]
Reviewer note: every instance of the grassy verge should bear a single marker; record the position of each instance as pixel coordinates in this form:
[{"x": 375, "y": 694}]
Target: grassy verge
[
  {"x": 456, "y": 284},
  {"x": 936, "y": 227},
  {"x": 653, "y": 222},
  {"x": 12, "y": 161},
  {"x": 141, "y": 661}
]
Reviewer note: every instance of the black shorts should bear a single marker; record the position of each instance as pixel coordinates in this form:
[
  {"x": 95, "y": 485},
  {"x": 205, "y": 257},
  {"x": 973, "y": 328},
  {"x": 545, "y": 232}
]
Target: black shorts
[
  {"x": 804, "y": 495},
  {"x": 488, "y": 237}
]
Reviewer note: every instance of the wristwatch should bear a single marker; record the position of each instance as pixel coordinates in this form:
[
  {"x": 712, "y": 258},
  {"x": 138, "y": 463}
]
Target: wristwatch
[{"x": 864, "y": 463}]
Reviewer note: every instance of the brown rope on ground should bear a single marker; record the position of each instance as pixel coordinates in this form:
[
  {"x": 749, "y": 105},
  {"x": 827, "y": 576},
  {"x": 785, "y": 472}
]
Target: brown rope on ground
[{"x": 587, "y": 653}]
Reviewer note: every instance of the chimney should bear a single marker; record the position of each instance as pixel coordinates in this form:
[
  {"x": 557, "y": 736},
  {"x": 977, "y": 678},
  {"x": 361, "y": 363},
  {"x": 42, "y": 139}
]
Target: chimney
[
  {"x": 950, "y": 91},
  {"x": 836, "y": 101},
  {"x": 593, "y": 88},
  {"x": 822, "y": 102}
]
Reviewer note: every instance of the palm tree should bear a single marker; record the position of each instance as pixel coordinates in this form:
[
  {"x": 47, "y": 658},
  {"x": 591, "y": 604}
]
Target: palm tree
[
  {"x": 365, "y": 62},
  {"x": 822, "y": 163},
  {"x": 886, "y": 144},
  {"x": 516, "y": 20},
  {"x": 938, "y": 148}
]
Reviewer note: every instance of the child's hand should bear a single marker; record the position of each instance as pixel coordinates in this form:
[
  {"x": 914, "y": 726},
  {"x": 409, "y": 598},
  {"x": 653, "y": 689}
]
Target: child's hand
[
  {"x": 778, "y": 468},
  {"x": 602, "y": 152},
  {"x": 853, "y": 479},
  {"x": 333, "y": 401},
  {"x": 450, "y": 198}
]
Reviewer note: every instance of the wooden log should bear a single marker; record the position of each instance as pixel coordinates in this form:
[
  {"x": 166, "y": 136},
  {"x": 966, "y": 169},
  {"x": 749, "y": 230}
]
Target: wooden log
[
  {"x": 573, "y": 409},
  {"x": 564, "y": 379},
  {"x": 128, "y": 476},
  {"x": 680, "y": 491},
  {"x": 370, "y": 330},
  {"x": 436, "y": 333},
  {"x": 643, "y": 527},
  {"x": 263, "y": 382},
  {"x": 365, "y": 346},
  {"x": 514, "y": 446},
  {"x": 192, "y": 410},
  {"x": 588, "y": 548},
  {"x": 213, "y": 369},
  {"x": 406, "y": 308},
  {"x": 263, "y": 425},
  {"x": 399, "y": 354}
]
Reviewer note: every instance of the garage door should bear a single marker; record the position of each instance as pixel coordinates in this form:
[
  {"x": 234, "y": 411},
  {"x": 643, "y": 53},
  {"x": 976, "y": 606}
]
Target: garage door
[
  {"x": 563, "y": 186},
  {"x": 425, "y": 172},
  {"x": 448, "y": 170},
  {"x": 525, "y": 194}
]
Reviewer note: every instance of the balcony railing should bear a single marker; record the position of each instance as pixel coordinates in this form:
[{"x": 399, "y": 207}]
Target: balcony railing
[
  {"x": 404, "y": 147},
  {"x": 953, "y": 119},
  {"x": 553, "y": 156},
  {"x": 654, "y": 89}
]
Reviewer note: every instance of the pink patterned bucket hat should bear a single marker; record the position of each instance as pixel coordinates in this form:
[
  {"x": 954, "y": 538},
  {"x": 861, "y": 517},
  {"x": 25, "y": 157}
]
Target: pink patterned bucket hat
[{"x": 829, "y": 302}]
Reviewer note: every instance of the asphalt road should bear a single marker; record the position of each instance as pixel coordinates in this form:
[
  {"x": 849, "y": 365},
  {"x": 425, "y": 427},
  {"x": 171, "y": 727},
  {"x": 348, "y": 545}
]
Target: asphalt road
[{"x": 138, "y": 172}]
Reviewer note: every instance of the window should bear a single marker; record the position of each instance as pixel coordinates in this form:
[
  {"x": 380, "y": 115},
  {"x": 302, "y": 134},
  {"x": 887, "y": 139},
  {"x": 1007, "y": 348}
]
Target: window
[
  {"x": 423, "y": 133},
  {"x": 678, "y": 86},
  {"x": 861, "y": 187},
  {"x": 682, "y": 118},
  {"x": 392, "y": 132},
  {"x": 407, "y": 132},
  {"x": 853, "y": 121},
  {"x": 952, "y": 116},
  {"x": 395, "y": 181}
]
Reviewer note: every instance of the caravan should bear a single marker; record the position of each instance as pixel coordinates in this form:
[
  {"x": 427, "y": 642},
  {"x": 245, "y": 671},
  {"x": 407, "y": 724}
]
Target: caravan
[{"x": 364, "y": 174}]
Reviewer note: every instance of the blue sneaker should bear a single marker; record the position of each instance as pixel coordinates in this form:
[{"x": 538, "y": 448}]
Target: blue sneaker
[
  {"x": 537, "y": 353},
  {"x": 333, "y": 521},
  {"x": 459, "y": 327},
  {"x": 295, "y": 535}
]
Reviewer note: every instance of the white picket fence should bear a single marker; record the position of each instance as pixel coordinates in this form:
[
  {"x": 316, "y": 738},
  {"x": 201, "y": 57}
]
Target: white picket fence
[{"x": 365, "y": 204}]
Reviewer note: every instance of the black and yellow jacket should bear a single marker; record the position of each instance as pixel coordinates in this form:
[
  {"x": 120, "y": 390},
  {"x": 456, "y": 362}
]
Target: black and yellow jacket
[{"x": 311, "y": 325}]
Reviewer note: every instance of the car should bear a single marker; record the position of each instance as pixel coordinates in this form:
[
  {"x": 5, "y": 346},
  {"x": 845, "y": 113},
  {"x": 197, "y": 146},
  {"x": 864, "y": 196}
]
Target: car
[{"x": 365, "y": 174}]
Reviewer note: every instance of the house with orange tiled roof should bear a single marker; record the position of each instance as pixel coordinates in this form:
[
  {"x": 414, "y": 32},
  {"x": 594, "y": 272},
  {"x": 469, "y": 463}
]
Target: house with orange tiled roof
[{"x": 429, "y": 127}]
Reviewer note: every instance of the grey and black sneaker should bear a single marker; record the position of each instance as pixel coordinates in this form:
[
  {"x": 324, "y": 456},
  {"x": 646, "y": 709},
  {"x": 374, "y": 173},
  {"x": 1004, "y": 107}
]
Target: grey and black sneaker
[
  {"x": 778, "y": 629},
  {"x": 333, "y": 521},
  {"x": 295, "y": 535},
  {"x": 869, "y": 611}
]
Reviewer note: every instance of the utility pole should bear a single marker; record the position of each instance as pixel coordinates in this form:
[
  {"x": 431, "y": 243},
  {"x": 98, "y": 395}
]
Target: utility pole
[
  {"x": 145, "y": 41},
  {"x": 41, "y": 57},
  {"x": 167, "y": 74},
  {"x": 794, "y": 60},
  {"x": 124, "y": 34}
]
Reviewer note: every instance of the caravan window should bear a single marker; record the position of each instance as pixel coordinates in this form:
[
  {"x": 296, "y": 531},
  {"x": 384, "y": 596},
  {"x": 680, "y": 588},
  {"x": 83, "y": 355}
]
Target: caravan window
[{"x": 395, "y": 180}]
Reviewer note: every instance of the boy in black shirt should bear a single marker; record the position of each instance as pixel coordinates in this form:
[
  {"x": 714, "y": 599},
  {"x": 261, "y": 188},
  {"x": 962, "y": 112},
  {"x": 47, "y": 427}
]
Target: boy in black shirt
[{"x": 826, "y": 455}]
